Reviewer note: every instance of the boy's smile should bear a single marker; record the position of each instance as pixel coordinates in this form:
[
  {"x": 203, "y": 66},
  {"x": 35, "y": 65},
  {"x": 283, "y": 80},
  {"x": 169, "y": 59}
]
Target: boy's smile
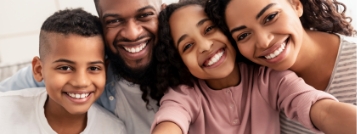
[{"x": 73, "y": 70}]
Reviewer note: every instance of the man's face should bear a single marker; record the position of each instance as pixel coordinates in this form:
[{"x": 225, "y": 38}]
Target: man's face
[{"x": 130, "y": 29}]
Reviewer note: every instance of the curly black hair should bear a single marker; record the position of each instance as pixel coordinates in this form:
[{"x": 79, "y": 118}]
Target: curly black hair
[
  {"x": 69, "y": 21},
  {"x": 75, "y": 21},
  {"x": 319, "y": 15}
]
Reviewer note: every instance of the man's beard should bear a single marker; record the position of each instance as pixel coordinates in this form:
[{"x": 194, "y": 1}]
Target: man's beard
[{"x": 142, "y": 75}]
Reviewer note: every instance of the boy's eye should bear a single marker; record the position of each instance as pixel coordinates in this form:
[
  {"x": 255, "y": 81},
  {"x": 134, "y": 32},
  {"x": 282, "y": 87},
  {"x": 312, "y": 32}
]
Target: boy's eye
[
  {"x": 65, "y": 68},
  {"x": 270, "y": 17},
  {"x": 208, "y": 29},
  {"x": 187, "y": 46},
  {"x": 242, "y": 36}
]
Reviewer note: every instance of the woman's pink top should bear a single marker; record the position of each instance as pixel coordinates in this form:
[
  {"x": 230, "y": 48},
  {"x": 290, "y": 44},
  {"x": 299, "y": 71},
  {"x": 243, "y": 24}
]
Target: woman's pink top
[{"x": 252, "y": 107}]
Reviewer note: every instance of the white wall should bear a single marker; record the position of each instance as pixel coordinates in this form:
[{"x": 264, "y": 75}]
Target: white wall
[{"x": 21, "y": 20}]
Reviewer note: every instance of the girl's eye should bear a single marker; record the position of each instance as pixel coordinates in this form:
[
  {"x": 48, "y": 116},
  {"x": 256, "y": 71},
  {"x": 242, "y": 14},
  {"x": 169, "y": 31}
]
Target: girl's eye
[
  {"x": 65, "y": 68},
  {"x": 270, "y": 17},
  {"x": 94, "y": 68},
  {"x": 208, "y": 29},
  {"x": 187, "y": 46},
  {"x": 242, "y": 36}
]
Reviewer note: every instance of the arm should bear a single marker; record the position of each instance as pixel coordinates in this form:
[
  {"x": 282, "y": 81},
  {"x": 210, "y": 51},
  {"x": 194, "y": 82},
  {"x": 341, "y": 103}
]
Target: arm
[
  {"x": 20, "y": 80},
  {"x": 178, "y": 108},
  {"x": 167, "y": 127},
  {"x": 334, "y": 117}
]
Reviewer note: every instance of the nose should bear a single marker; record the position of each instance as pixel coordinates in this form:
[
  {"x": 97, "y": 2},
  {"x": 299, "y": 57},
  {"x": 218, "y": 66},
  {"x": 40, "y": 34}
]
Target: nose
[
  {"x": 80, "y": 79},
  {"x": 263, "y": 39},
  {"x": 132, "y": 30},
  {"x": 204, "y": 45}
]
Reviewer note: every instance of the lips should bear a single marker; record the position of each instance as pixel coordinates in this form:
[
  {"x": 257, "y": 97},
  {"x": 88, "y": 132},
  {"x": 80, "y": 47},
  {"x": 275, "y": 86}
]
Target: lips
[
  {"x": 136, "y": 48},
  {"x": 275, "y": 52},
  {"x": 78, "y": 95},
  {"x": 214, "y": 58}
]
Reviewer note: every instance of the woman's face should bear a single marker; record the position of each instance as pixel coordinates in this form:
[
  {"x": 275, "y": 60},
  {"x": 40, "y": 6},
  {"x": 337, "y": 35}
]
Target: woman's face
[
  {"x": 204, "y": 49},
  {"x": 267, "y": 32}
]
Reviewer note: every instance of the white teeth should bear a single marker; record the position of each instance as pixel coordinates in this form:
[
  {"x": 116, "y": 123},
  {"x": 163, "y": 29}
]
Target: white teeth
[
  {"x": 276, "y": 52},
  {"x": 215, "y": 58},
  {"x": 136, "y": 49},
  {"x": 78, "y": 96}
]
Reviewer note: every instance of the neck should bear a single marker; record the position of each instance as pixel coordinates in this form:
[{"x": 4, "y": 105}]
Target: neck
[
  {"x": 316, "y": 58},
  {"x": 61, "y": 120},
  {"x": 232, "y": 79}
]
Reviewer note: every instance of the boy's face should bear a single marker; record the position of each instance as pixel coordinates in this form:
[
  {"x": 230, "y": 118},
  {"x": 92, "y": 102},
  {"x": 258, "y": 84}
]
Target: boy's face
[{"x": 73, "y": 71}]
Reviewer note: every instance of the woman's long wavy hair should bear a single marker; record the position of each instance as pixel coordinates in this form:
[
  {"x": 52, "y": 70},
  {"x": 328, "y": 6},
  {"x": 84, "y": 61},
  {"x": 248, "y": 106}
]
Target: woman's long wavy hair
[{"x": 320, "y": 15}]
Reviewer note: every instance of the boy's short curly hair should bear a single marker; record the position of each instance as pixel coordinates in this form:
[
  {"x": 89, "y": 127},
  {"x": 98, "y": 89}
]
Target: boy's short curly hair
[{"x": 69, "y": 21}]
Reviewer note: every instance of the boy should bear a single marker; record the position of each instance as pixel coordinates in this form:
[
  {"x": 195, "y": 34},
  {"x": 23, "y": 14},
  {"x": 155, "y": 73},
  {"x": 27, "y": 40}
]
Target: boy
[{"x": 71, "y": 64}]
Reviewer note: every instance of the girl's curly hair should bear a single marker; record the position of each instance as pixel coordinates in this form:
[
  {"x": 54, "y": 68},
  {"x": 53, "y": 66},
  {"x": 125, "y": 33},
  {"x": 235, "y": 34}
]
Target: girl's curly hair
[
  {"x": 320, "y": 15},
  {"x": 171, "y": 71}
]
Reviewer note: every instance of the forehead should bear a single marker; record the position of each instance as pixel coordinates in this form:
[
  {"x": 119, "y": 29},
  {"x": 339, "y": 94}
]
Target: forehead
[
  {"x": 187, "y": 16},
  {"x": 245, "y": 11},
  {"x": 76, "y": 43},
  {"x": 124, "y": 7}
]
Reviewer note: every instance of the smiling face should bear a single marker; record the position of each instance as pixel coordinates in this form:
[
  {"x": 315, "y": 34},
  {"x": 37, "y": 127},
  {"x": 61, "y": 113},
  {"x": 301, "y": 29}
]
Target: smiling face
[
  {"x": 267, "y": 32},
  {"x": 130, "y": 29},
  {"x": 73, "y": 71},
  {"x": 204, "y": 49}
]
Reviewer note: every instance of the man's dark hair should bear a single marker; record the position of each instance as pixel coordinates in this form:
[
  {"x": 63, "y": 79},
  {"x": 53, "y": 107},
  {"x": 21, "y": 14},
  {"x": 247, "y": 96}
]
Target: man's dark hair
[{"x": 69, "y": 21}]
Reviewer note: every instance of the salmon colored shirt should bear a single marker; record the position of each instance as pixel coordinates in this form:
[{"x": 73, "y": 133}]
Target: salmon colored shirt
[{"x": 252, "y": 107}]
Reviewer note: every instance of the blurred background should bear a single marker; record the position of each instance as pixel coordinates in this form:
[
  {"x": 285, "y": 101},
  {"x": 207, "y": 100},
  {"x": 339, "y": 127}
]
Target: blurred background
[{"x": 20, "y": 22}]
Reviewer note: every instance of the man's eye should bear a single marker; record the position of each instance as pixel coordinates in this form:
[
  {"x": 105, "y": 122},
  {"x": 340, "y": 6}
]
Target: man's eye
[
  {"x": 243, "y": 36},
  {"x": 145, "y": 15}
]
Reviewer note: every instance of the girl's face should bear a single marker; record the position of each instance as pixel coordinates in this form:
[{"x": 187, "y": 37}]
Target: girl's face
[
  {"x": 204, "y": 49},
  {"x": 267, "y": 32}
]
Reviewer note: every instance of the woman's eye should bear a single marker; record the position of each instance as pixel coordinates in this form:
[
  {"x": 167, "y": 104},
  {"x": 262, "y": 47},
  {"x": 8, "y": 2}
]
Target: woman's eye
[
  {"x": 243, "y": 36},
  {"x": 209, "y": 29},
  {"x": 187, "y": 46},
  {"x": 270, "y": 17}
]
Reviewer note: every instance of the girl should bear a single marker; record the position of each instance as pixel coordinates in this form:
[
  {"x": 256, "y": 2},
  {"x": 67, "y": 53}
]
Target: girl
[
  {"x": 308, "y": 37},
  {"x": 228, "y": 96}
]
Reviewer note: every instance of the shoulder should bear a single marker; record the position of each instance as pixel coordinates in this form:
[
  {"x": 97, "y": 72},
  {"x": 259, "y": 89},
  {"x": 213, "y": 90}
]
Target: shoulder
[
  {"x": 103, "y": 120},
  {"x": 348, "y": 40},
  {"x": 24, "y": 93},
  {"x": 264, "y": 74}
]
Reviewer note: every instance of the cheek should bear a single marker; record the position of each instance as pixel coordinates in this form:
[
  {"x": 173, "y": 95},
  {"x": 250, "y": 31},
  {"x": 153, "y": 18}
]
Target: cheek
[
  {"x": 110, "y": 35},
  {"x": 246, "y": 50}
]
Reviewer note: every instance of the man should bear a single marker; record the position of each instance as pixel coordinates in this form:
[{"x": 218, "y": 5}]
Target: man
[{"x": 130, "y": 30}]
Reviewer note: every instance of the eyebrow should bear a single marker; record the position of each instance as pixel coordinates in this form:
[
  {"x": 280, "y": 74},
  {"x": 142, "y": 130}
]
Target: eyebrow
[
  {"x": 199, "y": 23},
  {"x": 72, "y": 62},
  {"x": 264, "y": 9},
  {"x": 237, "y": 29}
]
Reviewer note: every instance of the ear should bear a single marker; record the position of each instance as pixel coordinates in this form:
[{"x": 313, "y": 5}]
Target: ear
[
  {"x": 297, "y": 6},
  {"x": 163, "y": 6},
  {"x": 37, "y": 69}
]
